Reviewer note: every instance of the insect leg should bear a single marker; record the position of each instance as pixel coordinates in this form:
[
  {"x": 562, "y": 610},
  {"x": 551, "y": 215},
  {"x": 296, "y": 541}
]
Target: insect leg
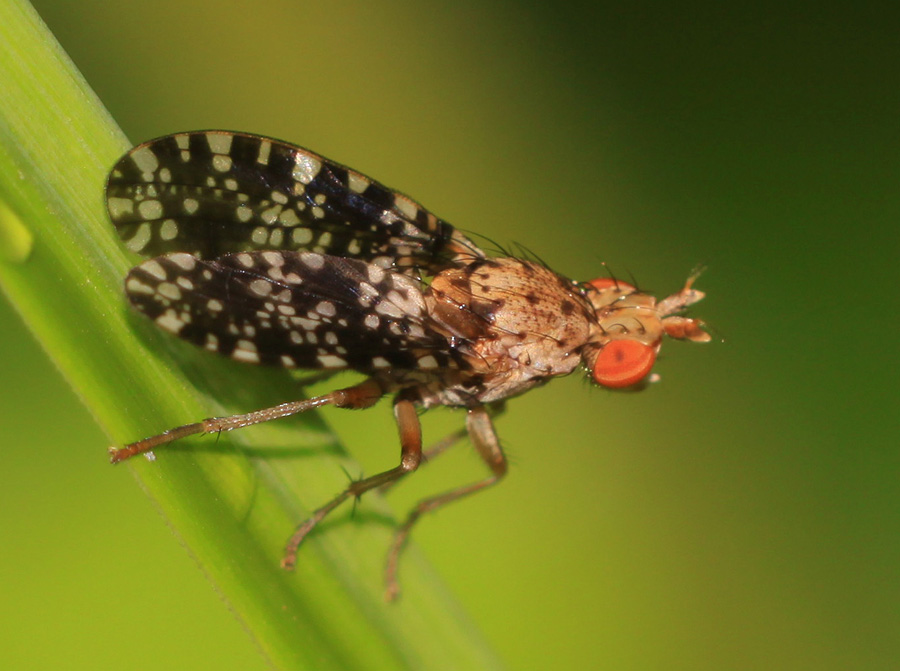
[
  {"x": 433, "y": 451},
  {"x": 410, "y": 458},
  {"x": 358, "y": 396},
  {"x": 436, "y": 449},
  {"x": 484, "y": 438}
]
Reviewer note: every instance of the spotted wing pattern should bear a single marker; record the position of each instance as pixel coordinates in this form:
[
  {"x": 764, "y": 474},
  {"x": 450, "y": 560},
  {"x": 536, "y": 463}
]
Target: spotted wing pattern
[
  {"x": 212, "y": 193},
  {"x": 291, "y": 309}
]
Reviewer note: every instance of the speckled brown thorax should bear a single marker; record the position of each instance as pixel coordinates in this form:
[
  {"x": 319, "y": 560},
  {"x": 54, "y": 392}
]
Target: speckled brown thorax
[{"x": 515, "y": 323}]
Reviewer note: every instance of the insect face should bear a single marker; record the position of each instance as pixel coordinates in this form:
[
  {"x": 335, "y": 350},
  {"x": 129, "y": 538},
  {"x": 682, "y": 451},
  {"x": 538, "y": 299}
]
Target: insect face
[{"x": 629, "y": 328}]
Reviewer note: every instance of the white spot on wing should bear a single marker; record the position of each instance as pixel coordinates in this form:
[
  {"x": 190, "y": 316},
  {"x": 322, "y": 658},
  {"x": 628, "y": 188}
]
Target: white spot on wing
[
  {"x": 305, "y": 324},
  {"x": 331, "y": 361},
  {"x": 314, "y": 261},
  {"x": 155, "y": 269},
  {"x": 168, "y": 229},
  {"x": 275, "y": 259},
  {"x": 140, "y": 239},
  {"x": 326, "y": 309},
  {"x": 260, "y": 235},
  {"x": 183, "y": 260},
  {"x": 388, "y": 310},
  {"x": 219, "y": 143},
  {"x": 271, "y": 214},
  {"x": 265, "y": 147},
  {"x": 367, "y": 294},
  {"x": 289, "y": 218},
  {"x": 276, "y": 237},
  {"x": 169, "y": 290},
  {"x": 135, "y": 286},
  {"x": 145, "y": 160},
  {"x": 357, "y": 182},
  {"x": 261, "y": 287},
  {"x": 150, "y": 209},
  {"x": 428, "y": 362},
  {"x": 406, "y": 207},
  {"x": 243, "y": 213},
  {"x": 221, "y": 163},
  {"x": 245, "y": 350},
  {"x": 119, "y": 206},
  {"x": 306, "y": 167},
  {"x": 169, "y": 321}
]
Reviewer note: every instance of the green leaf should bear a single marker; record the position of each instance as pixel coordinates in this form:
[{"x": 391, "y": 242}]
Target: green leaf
[{"x": 232, "y": 501}]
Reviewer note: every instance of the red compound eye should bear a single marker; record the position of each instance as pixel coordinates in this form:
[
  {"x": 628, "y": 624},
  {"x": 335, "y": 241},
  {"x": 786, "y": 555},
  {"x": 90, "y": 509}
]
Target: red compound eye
[
  {"x": 622, "y": 363},
  {"x": 610, "y": 283}
]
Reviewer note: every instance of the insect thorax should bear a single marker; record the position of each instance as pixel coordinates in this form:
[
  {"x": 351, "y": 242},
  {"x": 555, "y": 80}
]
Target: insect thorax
[{"x": 515, "y": 324}]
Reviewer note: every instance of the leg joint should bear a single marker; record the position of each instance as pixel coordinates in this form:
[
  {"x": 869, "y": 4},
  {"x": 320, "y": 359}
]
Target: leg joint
[
  {"x": 363, "y": 395},
  {"x": 410, "y": 461}
]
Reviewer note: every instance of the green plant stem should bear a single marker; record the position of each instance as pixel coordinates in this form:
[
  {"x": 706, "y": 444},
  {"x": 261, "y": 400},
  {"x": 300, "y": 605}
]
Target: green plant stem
[{"x": 232, "y": 501}]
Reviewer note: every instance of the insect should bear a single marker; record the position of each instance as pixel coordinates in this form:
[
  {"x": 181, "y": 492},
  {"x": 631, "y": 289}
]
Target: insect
[{"x": 270, "y": 254}]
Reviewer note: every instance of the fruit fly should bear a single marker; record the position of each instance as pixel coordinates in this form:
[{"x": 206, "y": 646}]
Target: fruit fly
[{"x": 270, "y": 254}]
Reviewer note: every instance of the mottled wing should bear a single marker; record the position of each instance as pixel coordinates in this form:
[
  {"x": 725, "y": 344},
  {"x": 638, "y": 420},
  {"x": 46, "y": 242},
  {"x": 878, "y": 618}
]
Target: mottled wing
[
  {"x": 215, "y": 192},
  {"x": 291, "y": 309}
]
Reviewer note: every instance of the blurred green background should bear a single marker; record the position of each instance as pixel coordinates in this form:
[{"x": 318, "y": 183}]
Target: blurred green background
[{"x": 741, "y": 514}]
